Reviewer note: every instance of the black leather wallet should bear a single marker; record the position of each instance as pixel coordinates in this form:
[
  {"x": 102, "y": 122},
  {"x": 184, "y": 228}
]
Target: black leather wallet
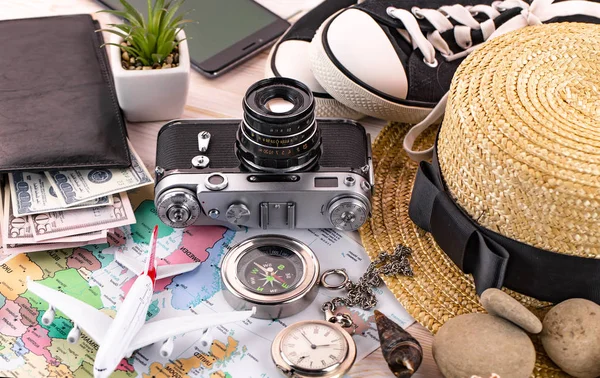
[{"x": 58, "y": 106}]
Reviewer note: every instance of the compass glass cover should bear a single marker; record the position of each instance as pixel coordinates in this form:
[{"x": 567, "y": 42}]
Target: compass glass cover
[
  {"x": 270, "y": 270},
  {"x": 314, "y": 347}
]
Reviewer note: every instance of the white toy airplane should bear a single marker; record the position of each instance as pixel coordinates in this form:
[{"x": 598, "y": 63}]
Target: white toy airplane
[{"x": 128, "y": 331}]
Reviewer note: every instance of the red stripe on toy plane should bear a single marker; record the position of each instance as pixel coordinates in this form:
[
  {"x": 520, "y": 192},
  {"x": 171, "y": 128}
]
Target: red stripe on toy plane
[{"x": 151, "y": 262}]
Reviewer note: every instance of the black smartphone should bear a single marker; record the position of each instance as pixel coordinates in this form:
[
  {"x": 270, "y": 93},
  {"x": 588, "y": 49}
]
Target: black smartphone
[{"x": 225, "y": 32}]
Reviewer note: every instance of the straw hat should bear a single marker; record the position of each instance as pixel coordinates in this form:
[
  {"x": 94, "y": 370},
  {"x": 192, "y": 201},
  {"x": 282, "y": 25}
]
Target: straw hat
[{"x": 519, "y": 152}]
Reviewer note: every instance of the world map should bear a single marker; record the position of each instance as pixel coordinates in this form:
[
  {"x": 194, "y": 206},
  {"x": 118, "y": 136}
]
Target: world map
[{"x": 30, "y": 349}]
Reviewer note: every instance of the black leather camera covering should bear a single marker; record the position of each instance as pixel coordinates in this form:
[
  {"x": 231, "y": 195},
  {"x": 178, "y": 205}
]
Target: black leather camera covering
[
  {"x": 58, "y": 105},
  {"x": 344, "y": 145}
]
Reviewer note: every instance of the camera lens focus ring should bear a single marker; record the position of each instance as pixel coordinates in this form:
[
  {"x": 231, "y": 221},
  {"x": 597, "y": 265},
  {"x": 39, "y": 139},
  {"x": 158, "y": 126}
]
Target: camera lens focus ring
[
  {"x": 285, "y": 159},
  {"x": 279, "y": 131},
  {"x": 277, "y": 140}
]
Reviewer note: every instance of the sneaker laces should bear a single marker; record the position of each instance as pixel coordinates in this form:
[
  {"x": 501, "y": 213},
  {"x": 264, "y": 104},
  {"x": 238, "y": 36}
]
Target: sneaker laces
[{"x": 538, "y": 12}]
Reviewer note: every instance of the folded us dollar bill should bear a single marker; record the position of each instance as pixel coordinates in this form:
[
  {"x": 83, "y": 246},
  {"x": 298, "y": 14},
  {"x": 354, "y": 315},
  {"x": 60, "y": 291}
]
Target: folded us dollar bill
[
  {"x": 77, "y": 186},
  {"x": 18, "y": 231},
  {"x": 60, "y": 224},
  {"x": 77, "y": 238},
  {"x": 32, "y": 193},
  {"x": 10, "y": 250},
  {"x": 15, "y": 230}
]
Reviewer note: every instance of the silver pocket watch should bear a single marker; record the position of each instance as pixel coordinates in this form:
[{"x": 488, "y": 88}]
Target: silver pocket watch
[{"x": 314, "y": 348}]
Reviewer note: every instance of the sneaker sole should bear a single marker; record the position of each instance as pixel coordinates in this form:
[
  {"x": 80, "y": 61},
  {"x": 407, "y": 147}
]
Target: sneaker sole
[
  {"x": 324, "y": 107},
  {"x": 349, "y": 93}
]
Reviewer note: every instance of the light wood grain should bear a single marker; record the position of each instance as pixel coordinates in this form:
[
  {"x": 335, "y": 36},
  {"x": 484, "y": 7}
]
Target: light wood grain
[{"x": 218, "y": 98}]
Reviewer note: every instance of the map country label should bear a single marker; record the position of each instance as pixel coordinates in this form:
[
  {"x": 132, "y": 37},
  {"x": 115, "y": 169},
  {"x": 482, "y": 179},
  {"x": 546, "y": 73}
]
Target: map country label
[
  {"x": 82, "y": 258},
  {"x": 28, "y": 313},
  {"x": 7, "y": 342},
  {"x": 60, "y": 371},
  {"x": 86, "y": 370},
  {"x": 219, "y": 352},
  {"x": 116, "y": 238},
  {"x": 11, "y": 323},
  {"x": 73, "y": 355},
  {"x": 52, "y": 261},
  {"x": 14, "y": 276},
  {"x": 224, "y": 351},
  {"x": 9, "y": 359},
  {"x": 36, "y": 340},
  {"x": 190, "y": 289},
  {"x": 19, "y": 348},
  {"x": 35, "y": 366}
]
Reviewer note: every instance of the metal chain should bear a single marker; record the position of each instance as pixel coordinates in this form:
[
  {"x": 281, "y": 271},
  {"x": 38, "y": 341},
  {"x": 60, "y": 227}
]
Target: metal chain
[{"x": 360, "y": 294}]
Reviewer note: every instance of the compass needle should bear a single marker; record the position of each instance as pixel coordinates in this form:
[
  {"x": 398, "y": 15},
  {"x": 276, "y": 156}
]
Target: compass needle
[{"x": 261, "y": 267}]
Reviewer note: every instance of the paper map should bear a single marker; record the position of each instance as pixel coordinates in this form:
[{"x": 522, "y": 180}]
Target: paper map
[{"x": 30, "y": 349}]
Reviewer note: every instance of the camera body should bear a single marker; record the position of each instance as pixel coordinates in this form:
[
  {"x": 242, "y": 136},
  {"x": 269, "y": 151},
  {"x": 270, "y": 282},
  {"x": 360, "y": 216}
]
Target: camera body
[
  {"x": 278, "y": 167},
  {"x": 336, "y": 192}
]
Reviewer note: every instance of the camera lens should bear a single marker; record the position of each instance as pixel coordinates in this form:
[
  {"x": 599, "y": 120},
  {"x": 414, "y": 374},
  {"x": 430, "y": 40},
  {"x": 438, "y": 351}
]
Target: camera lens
[{"x": 279, "y": 131}]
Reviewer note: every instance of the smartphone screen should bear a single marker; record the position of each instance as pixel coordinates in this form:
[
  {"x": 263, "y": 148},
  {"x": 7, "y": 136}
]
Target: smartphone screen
[{"x": 223, "y": 31}]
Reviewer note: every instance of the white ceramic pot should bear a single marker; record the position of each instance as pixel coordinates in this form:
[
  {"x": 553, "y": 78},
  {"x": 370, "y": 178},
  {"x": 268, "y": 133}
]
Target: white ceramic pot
[{"x": 151, "y": 95}]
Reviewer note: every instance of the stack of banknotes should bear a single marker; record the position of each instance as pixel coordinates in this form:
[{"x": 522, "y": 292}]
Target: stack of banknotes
[{"x": 42, "y": 211}]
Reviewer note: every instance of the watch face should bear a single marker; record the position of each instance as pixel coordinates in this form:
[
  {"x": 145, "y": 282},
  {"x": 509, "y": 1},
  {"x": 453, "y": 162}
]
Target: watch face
[
  {"x": 314, "y": 347},
  {"x": 270, "y": 270}
]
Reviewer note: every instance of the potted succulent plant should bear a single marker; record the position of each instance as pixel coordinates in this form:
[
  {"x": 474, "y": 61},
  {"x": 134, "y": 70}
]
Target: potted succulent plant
[{"x": 150, "y": 61}]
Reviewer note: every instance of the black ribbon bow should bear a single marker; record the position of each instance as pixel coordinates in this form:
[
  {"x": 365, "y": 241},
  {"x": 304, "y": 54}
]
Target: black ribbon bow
[{"x": 495, "y": 260}]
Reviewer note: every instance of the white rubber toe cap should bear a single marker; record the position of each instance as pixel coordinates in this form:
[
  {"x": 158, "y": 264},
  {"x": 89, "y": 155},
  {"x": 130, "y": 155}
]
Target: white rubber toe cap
[
  {"x": 360, "y": 45},
  {"x": 291, "y": 60}
]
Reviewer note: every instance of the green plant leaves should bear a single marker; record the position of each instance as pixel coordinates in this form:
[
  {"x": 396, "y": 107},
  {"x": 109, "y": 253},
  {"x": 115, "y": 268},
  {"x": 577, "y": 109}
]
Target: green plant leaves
[
  {"x": 134, "y": 13},
  {"x": 154, "y": 38}
]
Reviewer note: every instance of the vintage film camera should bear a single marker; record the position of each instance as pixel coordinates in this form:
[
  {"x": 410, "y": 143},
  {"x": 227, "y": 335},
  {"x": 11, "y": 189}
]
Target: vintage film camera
[{"x": 279, "y": 167}]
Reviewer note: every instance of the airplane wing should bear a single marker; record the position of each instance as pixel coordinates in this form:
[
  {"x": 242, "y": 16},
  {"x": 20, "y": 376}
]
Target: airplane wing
[
  {"x": 91, "y": 320},
  {"x": 161, "y": 330},
  {"x": 162, "y": 271}
]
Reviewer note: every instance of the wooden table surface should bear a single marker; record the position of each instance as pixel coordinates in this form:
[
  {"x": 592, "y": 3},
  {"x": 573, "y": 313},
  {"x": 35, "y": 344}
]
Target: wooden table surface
[{"x": 218, "y": 98}]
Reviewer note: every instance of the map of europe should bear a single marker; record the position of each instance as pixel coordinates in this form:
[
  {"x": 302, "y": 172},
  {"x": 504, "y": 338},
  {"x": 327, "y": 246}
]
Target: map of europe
[{"x": 30, "y": 349}]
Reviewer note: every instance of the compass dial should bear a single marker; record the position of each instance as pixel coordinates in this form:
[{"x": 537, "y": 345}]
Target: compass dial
[
  {"x": 314, "y": 347},
  {"x": 270, "y": 270},
  {"x": 274, "y": 275}
]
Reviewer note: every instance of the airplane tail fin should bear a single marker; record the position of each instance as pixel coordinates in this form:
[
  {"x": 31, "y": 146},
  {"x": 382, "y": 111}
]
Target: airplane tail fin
[{"x": 150, "y": 270}]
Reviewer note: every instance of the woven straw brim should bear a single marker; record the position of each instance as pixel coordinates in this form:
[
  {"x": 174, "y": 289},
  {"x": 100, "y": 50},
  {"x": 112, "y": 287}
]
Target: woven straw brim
[{"x": 439, "y": 290}]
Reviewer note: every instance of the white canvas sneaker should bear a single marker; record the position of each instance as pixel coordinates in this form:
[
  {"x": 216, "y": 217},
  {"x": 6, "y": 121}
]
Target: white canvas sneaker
[{"x": 289, "y": 58}]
